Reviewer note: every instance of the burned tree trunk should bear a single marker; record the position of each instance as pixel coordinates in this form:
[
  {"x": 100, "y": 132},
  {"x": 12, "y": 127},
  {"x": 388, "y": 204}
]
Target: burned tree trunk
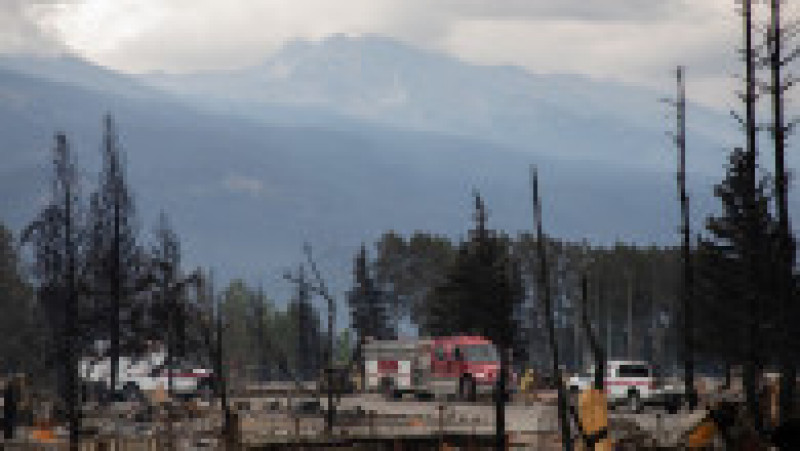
[
  {"x": 544, "y": 289},
  {"x": 787, "y": 359}
]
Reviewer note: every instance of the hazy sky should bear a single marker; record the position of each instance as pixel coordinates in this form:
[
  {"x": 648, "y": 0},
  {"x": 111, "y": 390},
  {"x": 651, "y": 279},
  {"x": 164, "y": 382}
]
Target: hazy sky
[{"x": 637, "y": 41}]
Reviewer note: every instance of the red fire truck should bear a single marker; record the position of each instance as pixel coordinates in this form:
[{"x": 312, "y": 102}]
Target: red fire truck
[{"x": 462, "y": 366}]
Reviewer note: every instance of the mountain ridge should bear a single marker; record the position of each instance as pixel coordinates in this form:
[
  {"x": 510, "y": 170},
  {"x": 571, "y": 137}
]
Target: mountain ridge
[
  {"x": 383, "y": 81},
  {"x": 247, "y": 184}
]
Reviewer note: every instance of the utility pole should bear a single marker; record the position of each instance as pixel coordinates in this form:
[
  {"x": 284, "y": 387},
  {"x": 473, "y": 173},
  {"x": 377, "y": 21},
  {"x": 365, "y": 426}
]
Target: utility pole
[{"x": 786, "y": 253}]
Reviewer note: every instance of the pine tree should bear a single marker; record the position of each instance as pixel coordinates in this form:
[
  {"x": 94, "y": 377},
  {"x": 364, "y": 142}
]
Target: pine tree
[
  {"x": 310, "y": 343},
  {"x": 56, "y": 239},
  {"x": 169, "y": 310},
  {"x": 369, "y": 306},
  {"x": 482, "y": 288},
  {"x": 406, "y": 270},
  {"x": 738, "y": 297},
  {"x": 481, "y": 295},
  {"x": 116, "y": 260}
]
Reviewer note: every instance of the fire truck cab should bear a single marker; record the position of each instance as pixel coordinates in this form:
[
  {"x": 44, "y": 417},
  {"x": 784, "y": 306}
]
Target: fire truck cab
[{"x": 462, "y": 366}]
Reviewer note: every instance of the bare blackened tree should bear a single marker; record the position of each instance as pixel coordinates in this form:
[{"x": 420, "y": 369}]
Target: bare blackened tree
[
  {"x": 687, "y": 285},
  {"x": 55, "y": 236},
  {"x": 752, "y": 364},
  {"x": 786, "y": 253},
  {"x": 750, "y": 191},
  {"x": 687, "y": 279},
  {"x": 544, "y": 289}
]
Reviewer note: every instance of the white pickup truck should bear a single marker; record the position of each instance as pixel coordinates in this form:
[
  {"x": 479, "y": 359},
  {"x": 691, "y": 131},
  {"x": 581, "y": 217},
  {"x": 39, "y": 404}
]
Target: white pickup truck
[
  {"x": 633, "y": 384},
  {"x": 145, "y": 373}
]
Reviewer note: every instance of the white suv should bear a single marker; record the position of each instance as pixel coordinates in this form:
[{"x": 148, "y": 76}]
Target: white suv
[{"x": 627, "y": 381}]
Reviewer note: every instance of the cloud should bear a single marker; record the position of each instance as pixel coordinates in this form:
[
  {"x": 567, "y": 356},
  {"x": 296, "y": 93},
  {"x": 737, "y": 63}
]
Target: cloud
[
  {"x": 183, "y": 35},
  {"x": 563, "y": 9},
  {"x": 637, "y": 41},
  {"x": 641, "y": 48},
  {"x": 238, "y": 183},
  {"x": 187, "y": 35},
  {"x": 25, "y": 29}
]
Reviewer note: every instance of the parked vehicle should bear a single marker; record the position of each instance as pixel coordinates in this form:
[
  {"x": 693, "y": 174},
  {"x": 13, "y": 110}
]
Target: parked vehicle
[
  {"x": 633, "y": 384},
  {"x": 462, "y": 366},
  {"x": 137, "y": 374}
]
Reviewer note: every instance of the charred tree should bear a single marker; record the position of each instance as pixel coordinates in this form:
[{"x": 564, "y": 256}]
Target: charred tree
[
  {"x": 544, "y": 289},
  {"x": 786, "y": 251},
  {"x": 687, "y": 274},
  {"x": 750, "y": 191}
]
